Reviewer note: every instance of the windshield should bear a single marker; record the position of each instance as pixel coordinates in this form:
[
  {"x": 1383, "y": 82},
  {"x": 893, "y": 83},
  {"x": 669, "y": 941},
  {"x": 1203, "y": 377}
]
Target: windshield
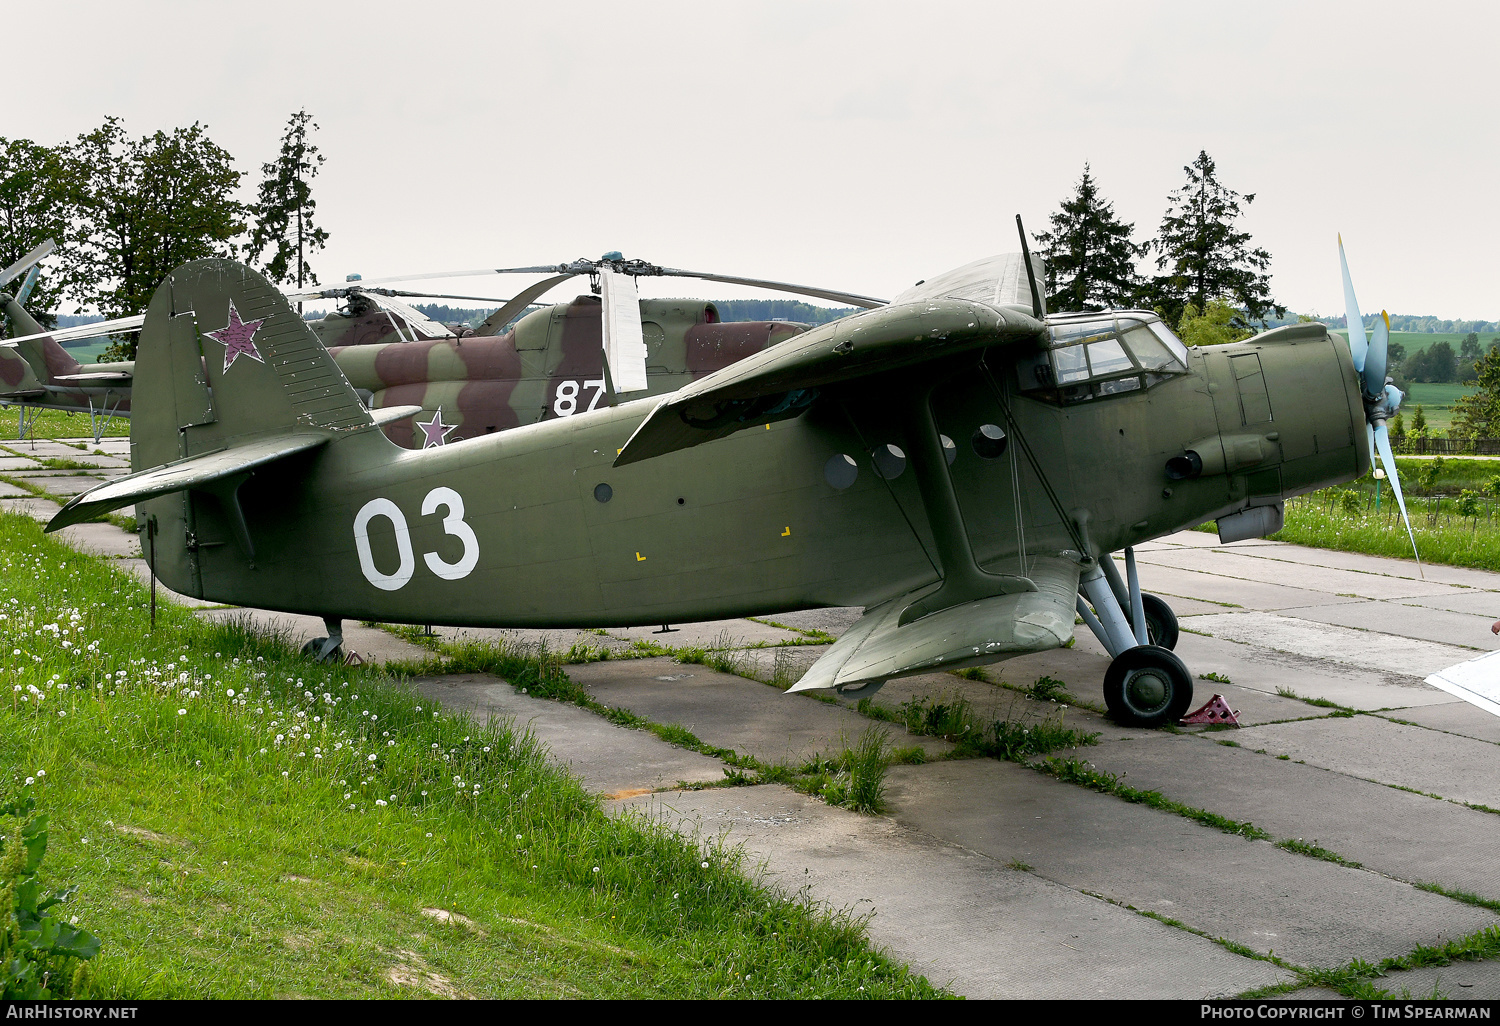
[{"x": 1102, "y": 354}]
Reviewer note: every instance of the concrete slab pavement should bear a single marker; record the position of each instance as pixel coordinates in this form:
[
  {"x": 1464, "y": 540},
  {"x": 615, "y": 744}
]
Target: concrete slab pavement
[
  {"x": 1407, "y": 836},
  {"x": 1374, "y": 748},
  {"x": 964, "y": 920},
  {"x": 1368, "y": 649},
  {"x": 1306, "y": 910},
  {"x": 608, "y": 759},
  {"x": 728, "y": 712}
]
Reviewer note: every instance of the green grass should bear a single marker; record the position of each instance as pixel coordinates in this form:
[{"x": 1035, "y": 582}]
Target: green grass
[
  {"x": 57, "y": 424},
  {"x": 1442, "y": 536},
  {"x": 1008, "y": 738},
  {"x": 325, "y": 832},
  {"x": 1074, "y": 771}
]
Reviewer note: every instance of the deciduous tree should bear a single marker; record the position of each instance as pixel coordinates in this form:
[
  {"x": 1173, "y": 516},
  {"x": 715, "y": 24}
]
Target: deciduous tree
[
  {"x": 143, "y": 206},
  {"x": 1090, "y": 258},
  {"x": 33, "y": 208},
  {"x": 1478, "y": 413}
]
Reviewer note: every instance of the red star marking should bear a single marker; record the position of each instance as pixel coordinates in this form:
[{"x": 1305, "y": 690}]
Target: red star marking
[
  {"x": 434, "y": 430},
  {"x": 236, "y": 337}
]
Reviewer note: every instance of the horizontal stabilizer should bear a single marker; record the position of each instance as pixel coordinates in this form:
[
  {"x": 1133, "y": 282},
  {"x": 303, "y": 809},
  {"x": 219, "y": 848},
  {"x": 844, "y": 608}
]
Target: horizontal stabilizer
[
  {"x": 194, "y": 472},
  {"x": 105, "y": 378},
  {"x": 391, "y": 414},
  {"x": 783, "y": 379},
  {"x": 878, "y": 648}
]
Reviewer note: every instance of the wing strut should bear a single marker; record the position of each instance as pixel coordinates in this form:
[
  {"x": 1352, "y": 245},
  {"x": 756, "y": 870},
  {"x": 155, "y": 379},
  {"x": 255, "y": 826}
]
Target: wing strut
[
  {"x": 964, "y": 580},
  {"x": 1036, "y": 466}
]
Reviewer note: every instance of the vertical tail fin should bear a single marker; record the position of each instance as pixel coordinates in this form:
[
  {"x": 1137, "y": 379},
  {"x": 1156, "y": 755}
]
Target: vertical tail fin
[{"x": 223, "y": 357}]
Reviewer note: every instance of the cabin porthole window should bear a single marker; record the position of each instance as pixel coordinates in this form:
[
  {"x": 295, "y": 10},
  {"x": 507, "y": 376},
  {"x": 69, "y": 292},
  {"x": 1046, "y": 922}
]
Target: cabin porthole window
[
  {"x": 989, "y": 441},
  {"x": 840, "y": 471},
  {"x": 889, "y": 461},
  {"x": 603, "y": 492},
  {"x": 950, "y": 449}
]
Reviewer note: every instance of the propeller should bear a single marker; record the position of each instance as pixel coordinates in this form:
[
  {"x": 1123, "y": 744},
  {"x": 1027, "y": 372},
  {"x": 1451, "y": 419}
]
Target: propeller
[{"x": 1381, "y": 398}]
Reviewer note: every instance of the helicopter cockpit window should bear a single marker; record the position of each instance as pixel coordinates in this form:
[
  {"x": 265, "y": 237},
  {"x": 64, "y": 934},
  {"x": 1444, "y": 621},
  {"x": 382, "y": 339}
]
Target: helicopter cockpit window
[{"x": 1097, "y": 355}]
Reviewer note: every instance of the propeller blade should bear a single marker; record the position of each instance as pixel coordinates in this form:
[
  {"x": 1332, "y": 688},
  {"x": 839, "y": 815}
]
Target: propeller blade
[
  {"x": 20, "y": 266},
  {"x": 1383, "y": 440},
  {"x": 833, "y": 296},
  {"x": 496, "y": 322},
  {"x": 624, "y": 341},
  {"x": 1357, "y": 343},
  {"x": 1375, "y": 359}
]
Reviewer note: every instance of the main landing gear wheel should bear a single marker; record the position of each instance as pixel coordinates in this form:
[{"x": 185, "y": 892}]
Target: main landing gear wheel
[
  {"x": 1147, "y": 686},
  {"x": 325, "y": 650},
  {"x": 1161, "y": 622}
]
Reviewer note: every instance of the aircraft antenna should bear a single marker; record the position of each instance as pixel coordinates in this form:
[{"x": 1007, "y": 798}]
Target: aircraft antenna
[{"x": 1036, "y": 295}]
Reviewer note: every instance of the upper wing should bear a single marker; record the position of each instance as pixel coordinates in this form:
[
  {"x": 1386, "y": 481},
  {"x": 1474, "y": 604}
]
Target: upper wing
[
  {"x": 998, "y": 280},
  {"x": 782, "y": 380},
  {"x": 878, "y": 648}
]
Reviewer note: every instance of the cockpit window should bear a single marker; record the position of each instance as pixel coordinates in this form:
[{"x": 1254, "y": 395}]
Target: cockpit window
[{"x": 1096, "y": 355}]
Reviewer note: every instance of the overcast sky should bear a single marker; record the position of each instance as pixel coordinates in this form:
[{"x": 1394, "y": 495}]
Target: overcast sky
[{"x": 856, "y": 145}]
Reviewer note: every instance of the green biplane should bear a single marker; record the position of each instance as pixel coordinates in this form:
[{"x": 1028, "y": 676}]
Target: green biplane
[{"x": 956, "y": 461}]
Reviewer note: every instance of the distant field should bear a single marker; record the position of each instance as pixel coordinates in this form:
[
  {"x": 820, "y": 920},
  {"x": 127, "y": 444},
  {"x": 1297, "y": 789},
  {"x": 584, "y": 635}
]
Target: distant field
[
  {"x": 1416, "y": 341},
  {"x": 1437, "y": 400},
  {"x": 89, "y": 353}
]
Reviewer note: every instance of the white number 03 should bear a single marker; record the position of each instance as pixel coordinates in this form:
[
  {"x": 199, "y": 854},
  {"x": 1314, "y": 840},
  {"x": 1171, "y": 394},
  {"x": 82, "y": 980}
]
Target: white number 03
[{"x": 453, "y": 523}]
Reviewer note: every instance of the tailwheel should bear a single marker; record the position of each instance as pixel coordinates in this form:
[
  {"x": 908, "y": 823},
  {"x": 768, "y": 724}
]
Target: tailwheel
[
  {"x": 1161, "y": 622},
  {"x": 1147, "y": 686}
]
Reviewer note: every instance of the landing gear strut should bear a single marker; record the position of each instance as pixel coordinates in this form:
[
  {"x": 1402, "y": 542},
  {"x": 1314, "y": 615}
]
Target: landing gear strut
[
  {"x": 331, "y": 648},
  {"x": 1146, "y": 685}
]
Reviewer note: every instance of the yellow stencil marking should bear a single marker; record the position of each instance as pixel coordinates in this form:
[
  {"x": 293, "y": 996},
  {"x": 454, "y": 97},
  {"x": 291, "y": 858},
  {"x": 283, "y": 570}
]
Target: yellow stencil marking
[
  {"x": 639, "y": 558},
  {"x": 787, "y": 533},
  {"x": 622, "y": 448},
  {"x": 768, "y": 427}
]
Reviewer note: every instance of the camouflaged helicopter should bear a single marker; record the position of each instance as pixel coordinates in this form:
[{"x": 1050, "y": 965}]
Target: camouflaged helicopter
[
  {"x": 36, "y": 372},
  {"x": 957, "y": 461},
  {"x": 465, "y": 383}
]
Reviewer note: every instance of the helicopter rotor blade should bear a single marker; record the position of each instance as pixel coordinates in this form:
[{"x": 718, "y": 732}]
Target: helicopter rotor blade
[
  {"x": 832, "y": 295},
  {"x": 29, "y": 282},
  {"x": 624, "y": 340},
  {"x": 24, "y": 264},
  {"x": 496, "y": 322},
  {"x": 1358, "y": 346}
]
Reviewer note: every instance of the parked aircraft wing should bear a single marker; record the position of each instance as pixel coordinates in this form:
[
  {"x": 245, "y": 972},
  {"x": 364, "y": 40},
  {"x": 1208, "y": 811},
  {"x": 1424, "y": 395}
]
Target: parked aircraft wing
[
  {"x": 1476, "y": 681},
  {"x": 878, "y": 648},
  {"x": 780, "y": 381},
  {"x": 194, "y": 472}
]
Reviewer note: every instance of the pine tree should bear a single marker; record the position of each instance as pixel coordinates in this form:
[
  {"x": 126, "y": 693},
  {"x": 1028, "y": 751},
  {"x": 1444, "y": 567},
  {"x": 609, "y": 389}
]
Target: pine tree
[
  {"x": 1203, "y": 254},
  {"x": 1090, "y": 258},
  {"x": 285, "y": 207}
]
